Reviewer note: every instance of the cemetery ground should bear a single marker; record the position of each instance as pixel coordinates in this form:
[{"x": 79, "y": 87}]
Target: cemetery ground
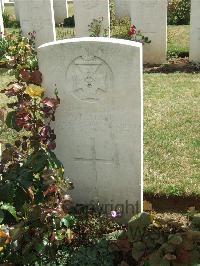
[
  {"x": 171, "y": 182},
  {"x": 171, "y": 133},
  {"x": 171, "y": 145},
  {"x": 170, "y": 120}
]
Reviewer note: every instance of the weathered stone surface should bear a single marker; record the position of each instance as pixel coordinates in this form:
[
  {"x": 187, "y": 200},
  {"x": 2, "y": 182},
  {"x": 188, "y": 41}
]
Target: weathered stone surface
[
  {"x": 60, "y": 10},
  {"x": 38, "y": 16},
  {"x": 150, "y": 16},
  {"x": 122, "y": 8},
  {"x": 99, "y": 122},
  {"x": 195, "y": 31},
  {"x": 87, "y": 10}
]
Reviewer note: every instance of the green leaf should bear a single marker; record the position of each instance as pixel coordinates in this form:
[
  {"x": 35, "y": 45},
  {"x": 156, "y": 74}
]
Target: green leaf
[
  {"x": 25, "y": 177},
  {"x": 54, "y": 160},
  {"x": 60, "y": 235},
  {"x": 7, "y": 192},
  {"x": 10, "y": 121},
  {"x": 116, "y": 235},
  {"x": 9, "y": 208},
  {"x": 37, "y": 161},
  {"x": 20, "y": 197},
  {"x": 1, "y": 216},
  {"x": 138, "y": 250},
  {"x": 138, "y": 225},
  {"x": 39, "y": 247},
  {"x": 68, "y": 221}
]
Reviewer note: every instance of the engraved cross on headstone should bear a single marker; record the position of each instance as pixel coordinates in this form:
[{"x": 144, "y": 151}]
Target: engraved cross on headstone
[{"x": 94, "y": 158}]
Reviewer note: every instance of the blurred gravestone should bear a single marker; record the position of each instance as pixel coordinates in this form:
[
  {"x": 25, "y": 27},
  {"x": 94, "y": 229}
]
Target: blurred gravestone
[
  {"x": 2, "y": 5},
  {"x": 195, "y": 31},
  {"x": 150, "y": 16},
  {"x": 1, "y": 22},
  {"x": 37, "y": 16},
  {"x": 60, "y": 10},
  {"x": 16, "y": 9},
  {"x": 85, "y": 11},
  {"x": 122, "y": 8}
]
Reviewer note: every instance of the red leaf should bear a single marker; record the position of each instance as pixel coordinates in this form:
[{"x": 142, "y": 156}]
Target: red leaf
[
  {"x": 25, "y": 75},
  {"x": 36, "y": 77}
]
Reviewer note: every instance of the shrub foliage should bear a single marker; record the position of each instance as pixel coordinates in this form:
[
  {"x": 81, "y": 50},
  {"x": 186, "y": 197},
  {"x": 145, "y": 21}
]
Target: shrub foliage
[{"x": 179, "y": 12}]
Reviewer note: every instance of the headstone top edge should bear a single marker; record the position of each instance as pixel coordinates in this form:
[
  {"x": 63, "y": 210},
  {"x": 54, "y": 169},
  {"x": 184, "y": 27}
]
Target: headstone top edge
[{"x": 92, "y": 40}]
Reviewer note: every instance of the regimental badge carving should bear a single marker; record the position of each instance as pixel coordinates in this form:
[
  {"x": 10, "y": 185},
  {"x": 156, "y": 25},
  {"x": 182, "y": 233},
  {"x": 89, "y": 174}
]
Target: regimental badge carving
[{"x": 89, "y": 78}]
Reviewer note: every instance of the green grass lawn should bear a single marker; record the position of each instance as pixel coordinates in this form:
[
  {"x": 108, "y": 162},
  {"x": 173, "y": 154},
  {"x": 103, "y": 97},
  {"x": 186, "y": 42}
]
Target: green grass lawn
[
  {"x": 171, "y": 132},
  {"x": 178, "y": 39}
]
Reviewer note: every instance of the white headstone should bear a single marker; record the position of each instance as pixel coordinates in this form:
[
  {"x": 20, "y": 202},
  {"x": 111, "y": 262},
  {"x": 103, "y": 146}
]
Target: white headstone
[
  {"x": 99, "y": 122},
  {"x": 1, "y": 23},
  {"x": 122, "y": 8},
  {"x": 150, "y": 16},
  {"x": 60, "y": 10},
  {"x": 85, "y": 11},
  {"x": 195, "y": 31},
  {"x": 16, "y": 9},
  {"x": 38, "y": 16},
  {"x": 2, "y": 5}
]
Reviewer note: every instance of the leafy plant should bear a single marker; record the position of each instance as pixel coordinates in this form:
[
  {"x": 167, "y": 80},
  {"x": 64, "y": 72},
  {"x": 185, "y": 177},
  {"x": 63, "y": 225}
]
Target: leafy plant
[
  {"x": 33, "y": 199},
  {"x": 122, "y": 29},
  {"x": 18, "y": 52},
  {"x": 99, "y": 253},
  {"x": 179, "y": 12},
  {"x": 96, "y": 28},
  {"x": 112, "y": 13},
  {"x": 10, "y": 21},
  {"x": 137, "y": 36},
  {"x": 161, "y": 240},
  {"x": 63, "y": 33}
]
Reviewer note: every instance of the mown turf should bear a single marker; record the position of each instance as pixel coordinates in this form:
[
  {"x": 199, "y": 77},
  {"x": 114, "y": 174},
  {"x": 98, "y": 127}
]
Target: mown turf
[
  {"x": 171, "y": 132},
  {"x": 178, "y": 40}
]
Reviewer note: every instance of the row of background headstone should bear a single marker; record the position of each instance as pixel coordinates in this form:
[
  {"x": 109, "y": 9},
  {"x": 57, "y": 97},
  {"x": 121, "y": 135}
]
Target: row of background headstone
[
  {"x": 158, "y": 15},
  {"x": 60, "y": 10},
  {"x": 195, "y": 31},
  {"x": 149, "y": 16},
  {"x": 87, "y": 10}
]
